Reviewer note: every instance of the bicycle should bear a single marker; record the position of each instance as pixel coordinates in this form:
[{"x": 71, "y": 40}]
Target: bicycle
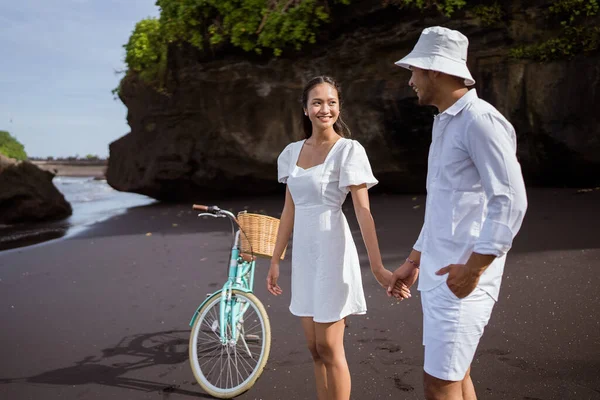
[{"x": 230, "y": 339}]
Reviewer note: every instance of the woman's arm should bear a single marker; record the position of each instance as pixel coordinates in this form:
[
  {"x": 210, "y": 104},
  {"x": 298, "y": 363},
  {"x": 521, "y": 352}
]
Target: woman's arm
[
  {"x": 362, "y": 209},
  {"x": 286, "y": 224}
]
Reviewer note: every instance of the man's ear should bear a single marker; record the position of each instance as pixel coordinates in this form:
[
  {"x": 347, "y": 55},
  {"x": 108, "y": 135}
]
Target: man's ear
[{"x": 433, "y": 74}]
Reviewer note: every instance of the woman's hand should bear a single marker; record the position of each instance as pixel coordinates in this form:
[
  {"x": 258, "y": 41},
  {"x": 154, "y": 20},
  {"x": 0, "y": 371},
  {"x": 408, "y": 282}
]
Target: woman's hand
[
  {"x": 272, "y": 278},
  {"x": 385, "y": 278}
]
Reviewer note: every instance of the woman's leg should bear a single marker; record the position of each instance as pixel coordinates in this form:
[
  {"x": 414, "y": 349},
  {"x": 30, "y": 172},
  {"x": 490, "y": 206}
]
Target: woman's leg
[
  {"x": 330, "y": 347},
  {"x": 320, "y": 373}
]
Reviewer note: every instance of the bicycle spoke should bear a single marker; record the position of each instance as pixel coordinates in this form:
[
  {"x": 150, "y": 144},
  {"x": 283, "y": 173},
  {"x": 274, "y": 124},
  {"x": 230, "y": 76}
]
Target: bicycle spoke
[
  {"x": 210, "y": 359},
  {"x": 212, "y": 335},
  {"x": 228, "y": 373},
  {"x": 255, "y": 326},
  {"x": 203, "y": 347},
  {"x": 248, "y": 364},
  {"x": 215, "y": 364},
  {"x": 236, "y": 368},
  {"x": 221, "y": 368},
  {"x": 244, "y": 367},
  {"x": 207, "y": 346}
]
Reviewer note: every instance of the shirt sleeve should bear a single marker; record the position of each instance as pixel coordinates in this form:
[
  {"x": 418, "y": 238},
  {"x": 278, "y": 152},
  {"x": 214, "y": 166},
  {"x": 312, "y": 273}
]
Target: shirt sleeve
[
  {"x": 283, "y": 164},
  {"x": 355, "y": 168},
  {"x": 418, "y": 246},
  {"x": 491, "y": 144}
]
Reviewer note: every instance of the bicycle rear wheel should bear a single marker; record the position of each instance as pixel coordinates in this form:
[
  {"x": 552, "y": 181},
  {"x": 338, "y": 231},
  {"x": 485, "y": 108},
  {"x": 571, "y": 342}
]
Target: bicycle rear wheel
[{"x": 227, "y": 370}]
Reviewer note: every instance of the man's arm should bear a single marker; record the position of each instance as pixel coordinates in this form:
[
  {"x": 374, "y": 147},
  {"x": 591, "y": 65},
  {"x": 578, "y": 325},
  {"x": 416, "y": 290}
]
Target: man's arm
[
  {"x": 406, "y": 275},
  {"x": 492, "y": 147},
  {"x": 408, "y": 272},
  {"x": 491, "y": 144}
]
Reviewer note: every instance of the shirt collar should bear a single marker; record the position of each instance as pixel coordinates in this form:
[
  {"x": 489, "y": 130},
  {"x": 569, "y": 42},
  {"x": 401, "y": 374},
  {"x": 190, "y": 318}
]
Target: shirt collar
[{"x": 461, "y": 103}]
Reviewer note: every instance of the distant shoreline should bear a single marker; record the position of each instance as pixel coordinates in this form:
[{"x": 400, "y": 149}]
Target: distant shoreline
[
  {"x": 79, "y": 168},
  {"x": 92, "y": 201}
]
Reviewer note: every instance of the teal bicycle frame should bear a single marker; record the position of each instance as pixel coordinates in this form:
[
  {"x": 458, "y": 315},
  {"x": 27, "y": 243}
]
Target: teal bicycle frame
[{"x": 240, "y": 277}]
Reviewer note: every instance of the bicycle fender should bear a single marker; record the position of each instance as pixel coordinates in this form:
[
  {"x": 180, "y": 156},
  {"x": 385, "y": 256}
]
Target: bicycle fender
[{"x": 217, "y": 293}]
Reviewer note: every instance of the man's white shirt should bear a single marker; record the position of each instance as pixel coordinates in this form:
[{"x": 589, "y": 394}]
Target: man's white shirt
[{"x": 476, "y": 197}]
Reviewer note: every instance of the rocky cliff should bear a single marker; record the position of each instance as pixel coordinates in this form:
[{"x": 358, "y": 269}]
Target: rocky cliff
[
  {"x": 27, "y": 194},
  {"x": 222, "y": 121}
]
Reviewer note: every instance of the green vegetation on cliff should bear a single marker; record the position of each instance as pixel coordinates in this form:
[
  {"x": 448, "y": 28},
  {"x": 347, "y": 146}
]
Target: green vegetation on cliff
[
  {"x": 11, "y": 147},
  {"x": 146, "y": 51},
  {"x": 579, "y": 32},
  {"x": 272, "y": 27},
  {"x": 253, "y": 25}
]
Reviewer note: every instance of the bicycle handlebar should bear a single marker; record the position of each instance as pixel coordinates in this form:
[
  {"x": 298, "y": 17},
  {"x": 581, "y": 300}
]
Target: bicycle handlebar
[
  {"x": 210, "y": 209},
  {"x": 215, "y": 210}
]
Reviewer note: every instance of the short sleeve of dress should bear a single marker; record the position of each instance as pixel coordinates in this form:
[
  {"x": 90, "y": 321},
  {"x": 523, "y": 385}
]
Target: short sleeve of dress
[
  {"x": 283, "y": 164},
  {"x": 355, "y": 168}
]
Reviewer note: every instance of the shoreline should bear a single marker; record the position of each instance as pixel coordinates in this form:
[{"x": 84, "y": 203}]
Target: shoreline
[
  {"x": 82, "y": 168},
  {"x": 28, "y": 234},
  {"x": 92, "y": 201}
]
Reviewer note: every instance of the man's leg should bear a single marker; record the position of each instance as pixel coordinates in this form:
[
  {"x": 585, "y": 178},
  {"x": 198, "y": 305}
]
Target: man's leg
[
  {"x": 468, "y": 389},
  {"x": 452, "y": 329},
  {"x": 438, "y": 389}
]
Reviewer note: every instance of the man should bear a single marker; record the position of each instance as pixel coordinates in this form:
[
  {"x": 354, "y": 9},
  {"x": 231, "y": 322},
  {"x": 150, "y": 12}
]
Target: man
[{"x": 476, "y": 202}]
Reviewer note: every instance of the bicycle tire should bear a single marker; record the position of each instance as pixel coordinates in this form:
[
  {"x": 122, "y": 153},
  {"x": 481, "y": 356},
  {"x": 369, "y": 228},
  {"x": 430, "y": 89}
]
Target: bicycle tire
[{"x": 203, "y": 375}]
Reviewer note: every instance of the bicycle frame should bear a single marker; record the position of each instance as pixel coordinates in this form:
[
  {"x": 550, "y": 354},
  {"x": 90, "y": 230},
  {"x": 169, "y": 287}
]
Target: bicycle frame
[{"x": 240, "y": 277}]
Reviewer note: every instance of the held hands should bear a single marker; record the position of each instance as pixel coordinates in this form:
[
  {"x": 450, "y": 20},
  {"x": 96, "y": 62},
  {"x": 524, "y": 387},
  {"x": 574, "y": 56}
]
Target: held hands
[
  {"x": 272, "y": 278},
  {"x": 385, "y": 279},
  {"x": 461, "y": 279},
  {"x": 405, "y": 276}
]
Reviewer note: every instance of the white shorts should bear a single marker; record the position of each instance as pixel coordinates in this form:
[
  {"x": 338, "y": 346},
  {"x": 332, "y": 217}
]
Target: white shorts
[{"x": 452, "y": 328}]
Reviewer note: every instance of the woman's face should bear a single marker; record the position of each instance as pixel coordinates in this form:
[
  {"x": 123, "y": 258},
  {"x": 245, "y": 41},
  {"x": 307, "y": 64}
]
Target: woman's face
[{"x": 323, "y": 106}]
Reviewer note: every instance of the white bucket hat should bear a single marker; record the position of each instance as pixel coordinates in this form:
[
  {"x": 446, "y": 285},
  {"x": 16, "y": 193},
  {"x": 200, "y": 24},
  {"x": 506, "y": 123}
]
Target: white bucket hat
[{"x": 440, "y": 49}]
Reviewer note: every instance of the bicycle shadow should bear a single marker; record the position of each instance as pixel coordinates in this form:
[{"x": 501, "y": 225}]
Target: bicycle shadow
[{"x": 160, "y": 348}]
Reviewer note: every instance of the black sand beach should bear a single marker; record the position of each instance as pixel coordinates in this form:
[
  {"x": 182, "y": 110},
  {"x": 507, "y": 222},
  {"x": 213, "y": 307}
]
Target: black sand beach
[{"x": 104, "y": 314}]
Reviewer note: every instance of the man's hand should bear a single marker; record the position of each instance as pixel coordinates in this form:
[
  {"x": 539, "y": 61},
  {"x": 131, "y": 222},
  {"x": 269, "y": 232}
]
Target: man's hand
[
  {"x": 406, "y": 275},
  {"x": 461, "y": 279},
  {"x": 384, "y": 277},
  {"x": 272, "y": 278}
]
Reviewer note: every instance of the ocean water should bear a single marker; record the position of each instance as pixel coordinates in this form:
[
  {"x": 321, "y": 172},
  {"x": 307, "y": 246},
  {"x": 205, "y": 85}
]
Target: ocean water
[{"x": 92, "y": 201}]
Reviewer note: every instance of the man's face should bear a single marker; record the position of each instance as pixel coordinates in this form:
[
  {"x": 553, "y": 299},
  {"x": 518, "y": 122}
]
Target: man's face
[{"x": 422, "y": 84}]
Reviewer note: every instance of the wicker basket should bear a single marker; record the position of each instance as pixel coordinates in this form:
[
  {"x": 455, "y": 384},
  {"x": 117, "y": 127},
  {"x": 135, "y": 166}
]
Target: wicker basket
[{"x": 261, "y": 231}]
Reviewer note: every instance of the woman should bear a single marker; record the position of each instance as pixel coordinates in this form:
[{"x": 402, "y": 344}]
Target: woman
[{"x": 326, "y": 281}]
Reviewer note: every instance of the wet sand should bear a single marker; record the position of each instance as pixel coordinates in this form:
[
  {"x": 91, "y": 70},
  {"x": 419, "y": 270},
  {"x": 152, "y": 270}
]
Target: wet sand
[{"x": 104, "y": 314}]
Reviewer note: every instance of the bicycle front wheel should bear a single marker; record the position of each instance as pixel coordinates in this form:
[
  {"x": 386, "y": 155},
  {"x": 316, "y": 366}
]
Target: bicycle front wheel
[{"x": 227, "y": 368}]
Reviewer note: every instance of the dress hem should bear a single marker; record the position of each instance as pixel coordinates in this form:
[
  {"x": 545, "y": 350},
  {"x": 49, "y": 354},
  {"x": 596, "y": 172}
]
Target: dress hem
[{"x": 328, "y": 321}]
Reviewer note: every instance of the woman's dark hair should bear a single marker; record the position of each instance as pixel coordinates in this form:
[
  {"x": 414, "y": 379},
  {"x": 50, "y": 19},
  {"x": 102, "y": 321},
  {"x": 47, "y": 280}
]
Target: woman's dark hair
[{"x": 339, "y": 126}]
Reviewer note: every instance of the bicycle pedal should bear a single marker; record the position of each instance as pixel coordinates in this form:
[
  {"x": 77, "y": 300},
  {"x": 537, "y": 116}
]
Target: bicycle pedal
[{"x": 252, "y": 338}]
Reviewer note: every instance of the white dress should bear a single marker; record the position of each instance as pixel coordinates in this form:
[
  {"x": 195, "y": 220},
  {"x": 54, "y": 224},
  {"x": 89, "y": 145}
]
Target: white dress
[{"x": 326, "y": 276}]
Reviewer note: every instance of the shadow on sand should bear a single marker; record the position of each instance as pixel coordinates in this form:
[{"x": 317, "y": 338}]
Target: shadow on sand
[{"x": 153, "y": 349}]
